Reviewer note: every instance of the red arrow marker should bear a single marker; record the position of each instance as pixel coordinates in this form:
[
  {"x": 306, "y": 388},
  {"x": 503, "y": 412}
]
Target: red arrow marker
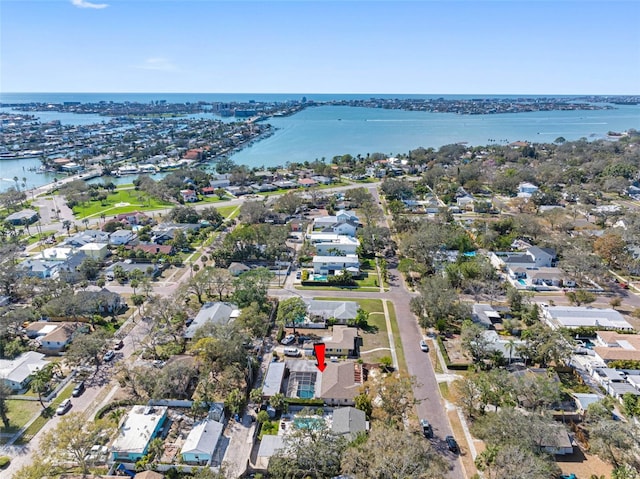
[{"x": 318, "y": 349}]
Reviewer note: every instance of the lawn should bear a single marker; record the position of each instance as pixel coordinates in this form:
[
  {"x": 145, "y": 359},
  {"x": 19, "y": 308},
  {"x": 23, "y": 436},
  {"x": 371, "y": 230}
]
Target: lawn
[
  {"x": 375, "y": 336},
  {"x": 402, "y": 362},
  {"x": 368, "y": 281},
  {"x": 227, "y": 211},
  {"x": 39, "y": 423},
  {"x": 19, "y": 414},
  {"x": 120, "y": 201}
]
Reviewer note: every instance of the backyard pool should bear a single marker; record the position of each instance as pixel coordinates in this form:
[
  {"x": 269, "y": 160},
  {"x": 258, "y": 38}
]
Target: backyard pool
[
  {"x": 313, "y": 423},
  {"x": 305, "y": 391},
  {"x": 319, "y": 277},
  {"x": 522, "y": 282}
]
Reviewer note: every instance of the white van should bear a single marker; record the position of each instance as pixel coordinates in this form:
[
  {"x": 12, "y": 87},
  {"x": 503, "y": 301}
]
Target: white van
[{"x": 293, "y": 352}]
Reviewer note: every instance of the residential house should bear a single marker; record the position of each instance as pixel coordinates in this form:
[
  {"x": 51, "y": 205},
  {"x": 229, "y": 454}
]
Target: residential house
[
  {"x": 269, "y": 446},
  {"x": 613, "y": 346},
  {"x": 52, "y": 336},
  {"x": 201, "y": 443},
  {"x": 165, "y": 232},
  {"x": 560, "y": 443},
  {"x": 104, "y": 301},
  {"x": 38, "y": 268},
  {"x": 344, "y": 341},
  {"x": 16, "y": 373},
  {"x": 189, "y": 196},
  {"x": 141, "y": 425},
  {"x": 340, "y": 383},
  {"x": 134, "y": 218},
  {"x": 348, "y": 422},
  {"x": 342, "y": 216},
  {"x": 340, "y": 311},
  {"x": 208, "y": 191},
  {"x": 212, "y": 313},
  {"x": 23, "y": 217},
  {"x": 342, "y": 245},
  {"x": 614, "y": 382},
  {"x": 508, "y": 347},
  {"x": 323, "y": 180},
  {"x": 307, "y": 182},
  {"x": 272, "y": 383},
  {"x": 485, "y": 315},
  {"x": 331, "y": 265},
  {"x": 97, "y": 251},
  {"x": 153, "y": 248},
  {"x": 584, "y": 316},
  {"x": 121, "y": 237},
  {"x": 236, "y": 269},
  {"x": 220, "y": 181},
  {"x": 85, "y": 237},
  {"x": 533, "y": 257},
  {"x": 525, "y": 189},
  {"x": 285, "y": 184},
  {"x": 347, "y": 228},
  {"x": 127, "y": 266}
]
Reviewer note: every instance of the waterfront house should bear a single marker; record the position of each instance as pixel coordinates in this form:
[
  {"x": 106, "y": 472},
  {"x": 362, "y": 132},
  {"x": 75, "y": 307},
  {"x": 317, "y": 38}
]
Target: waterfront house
[
  {"x": 141, "y": 425},
  {"x": 201, "y": 443},
  {"x": 16, "y": 373}
]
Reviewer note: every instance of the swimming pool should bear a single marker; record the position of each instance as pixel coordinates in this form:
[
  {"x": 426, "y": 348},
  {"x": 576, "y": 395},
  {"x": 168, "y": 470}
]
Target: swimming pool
[
  {"x": 319, "y": 277},
  {"x": 522, "y": 282},
  {"x": 305, "y": 391},
  {"x": 313, "y": 423}
]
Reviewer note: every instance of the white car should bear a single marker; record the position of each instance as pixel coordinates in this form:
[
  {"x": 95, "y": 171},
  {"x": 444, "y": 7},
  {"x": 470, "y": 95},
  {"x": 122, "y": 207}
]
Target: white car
[
  {"x": 288, "y": 339},
  {"x": 109, "y": 355},
  {"x": 63, "y": 407},
  {"x": 424, "y": 346}
]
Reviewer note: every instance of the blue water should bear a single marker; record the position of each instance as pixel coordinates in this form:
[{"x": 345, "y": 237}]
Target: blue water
[
  {"x": 522, "y": 282},
  {"x": 310, "y": 423},
  {"x": 327, "y": 131}
]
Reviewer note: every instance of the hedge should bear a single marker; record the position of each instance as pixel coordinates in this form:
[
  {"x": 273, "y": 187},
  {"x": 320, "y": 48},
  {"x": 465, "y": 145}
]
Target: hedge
[
  {"x": 114, "y": 405},
  {"x": 304, "y": 402}
]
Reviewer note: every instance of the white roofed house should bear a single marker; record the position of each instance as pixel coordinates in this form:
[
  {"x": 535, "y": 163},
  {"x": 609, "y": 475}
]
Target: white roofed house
[
  {"x": 341, "y": 245},
  {"x": 140, "y": 427},
  {"x": 584, "y": 316},
  {"x": 201, "y": 443},
  {"x": 340, "y": 311},
  {"x": 331, "y": 265},
  {"x": 16, "y": 373}
]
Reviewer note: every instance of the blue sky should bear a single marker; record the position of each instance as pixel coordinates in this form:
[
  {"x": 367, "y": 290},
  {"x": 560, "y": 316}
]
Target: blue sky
[{"x": 428, "y": 47}]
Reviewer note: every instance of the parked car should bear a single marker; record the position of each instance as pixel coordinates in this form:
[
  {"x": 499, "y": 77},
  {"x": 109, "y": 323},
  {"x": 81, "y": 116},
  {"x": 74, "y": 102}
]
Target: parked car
[
  {"x": 78, "y": 390},
  {"x": 288, "y": 339},
  {"x": 293, "y": 352},
  {"x": 118, "y": 344},
  {"x": 424, "y": 346},
  {"x": 109, "y": 355},
  {"x": 63, "y": 407},
  {"x": 452, "y": 444},
  {"x": 298, "y": 275},
  {"x": 427, "y": 430}
]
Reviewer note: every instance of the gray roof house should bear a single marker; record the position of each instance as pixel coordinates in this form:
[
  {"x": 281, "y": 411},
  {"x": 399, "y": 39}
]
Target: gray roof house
[
  {"x": 216, "y": 313},
  {"x": 342, "y": 311},
  {"x": 484, "y": 315},
  {"x": 348, "y": 421},
  {"x": 22, "y": 217}
]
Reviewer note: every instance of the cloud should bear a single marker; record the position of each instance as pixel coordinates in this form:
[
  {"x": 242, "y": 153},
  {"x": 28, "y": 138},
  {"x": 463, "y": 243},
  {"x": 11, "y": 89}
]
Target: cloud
[
  {"x": 86, "y": 4},
  {"x": 158, "y": 64}
]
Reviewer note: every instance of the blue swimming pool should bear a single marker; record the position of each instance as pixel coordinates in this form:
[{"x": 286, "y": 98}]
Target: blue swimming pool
[
  {"x": 522, "y": 282},
  {"x": 319, "y": 277},
  {"x": 305, "y": 391},
  {"x": 312, "y": 423}
]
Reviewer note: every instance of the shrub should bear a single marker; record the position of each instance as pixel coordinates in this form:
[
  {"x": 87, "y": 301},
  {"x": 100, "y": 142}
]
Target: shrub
[{"x": 4, "y": 461}]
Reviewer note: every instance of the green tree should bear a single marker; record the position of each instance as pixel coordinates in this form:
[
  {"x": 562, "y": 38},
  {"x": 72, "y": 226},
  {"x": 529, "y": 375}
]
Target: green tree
[
  {"x": 88, "y": 349},
  {"x": 252, "y": 287},
  {"x": 393, "y": 453},
  {"x": 291, "y": 310}
]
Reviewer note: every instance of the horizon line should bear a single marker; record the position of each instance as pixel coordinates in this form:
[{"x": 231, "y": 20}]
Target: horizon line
[{"x": 303, "y": 93}]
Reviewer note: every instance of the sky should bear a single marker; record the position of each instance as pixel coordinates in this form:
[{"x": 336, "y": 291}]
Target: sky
[{"x": 349, "y": 46}]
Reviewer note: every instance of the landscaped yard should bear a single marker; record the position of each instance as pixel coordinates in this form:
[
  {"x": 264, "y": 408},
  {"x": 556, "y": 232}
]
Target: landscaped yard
[
  {"x": 120, "y": 201},
  {"x": 375, "y": 336},
  {"x": 229, "y": 211}
]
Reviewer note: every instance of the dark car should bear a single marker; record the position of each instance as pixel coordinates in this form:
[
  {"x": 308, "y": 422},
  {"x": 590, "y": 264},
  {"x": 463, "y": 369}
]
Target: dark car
[
  {"x": 118, "y": 344},
  {"x": 452, "y": 444},
  {"x": 78, "y": 390}
]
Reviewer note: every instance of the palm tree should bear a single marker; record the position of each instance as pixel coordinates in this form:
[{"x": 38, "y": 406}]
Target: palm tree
[
  {"x": 511, "y": 345},
  {"x": 85, "y": 222},
  {"x": 66, "y": 224}
]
